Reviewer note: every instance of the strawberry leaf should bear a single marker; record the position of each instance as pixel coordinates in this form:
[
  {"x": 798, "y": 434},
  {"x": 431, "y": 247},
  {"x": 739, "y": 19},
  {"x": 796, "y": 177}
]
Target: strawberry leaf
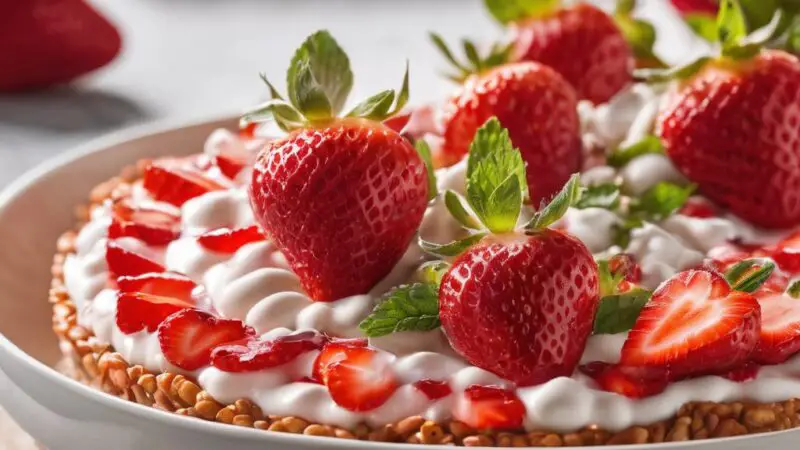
[
  {"x": 319, "y": 78},
  {"x": 454, "y": 204},
  {"x": 375, "y": 107},
  {"x": 507, "y": 11},
  {"x": 498, "y": 54},
  {"x": 406, "y": 308},
  {"x": 609, "y": 281},
  {"x": 402, "y": 96},
  {"x": 670, "y": 74},
  {"x": 495, "y": 178},
  {"x": 618, "y": 313},
  {"x": 731, "y": 24},
  {"x": 624, "y": 155},
  {"x": 604, "y": 196},
  {"x": 454, "y": 248},
  {"x": 640, "y": 34},
  {"x": 794, "y": 289},
  {"x": 569, "y": 195},
  {"x": 750, "y": 274},
  {"x": 433, "y": 271},
  {"x": 424, "y": 152},
  {"x": 661, "y": 200},
  {"x": 703, "y": 25},
  {"x": 272, "y": 91}
]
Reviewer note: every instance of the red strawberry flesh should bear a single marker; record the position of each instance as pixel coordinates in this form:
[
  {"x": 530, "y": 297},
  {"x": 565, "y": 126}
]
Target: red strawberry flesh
[
  {"x": 174, "y": 181},
  {"x": 362, "y": 380},
  {"x": 123, "y": 262},
  {"x": 252, "y": 355},
  {"x": 151, "y": 225},
  {"x": 227, "y": 240},
  {"x": 780, "y": 328},
  {"x": 138, "y": 311},
  {"x": 433, "y": 389},
  {"x": 490, "y": 408}
]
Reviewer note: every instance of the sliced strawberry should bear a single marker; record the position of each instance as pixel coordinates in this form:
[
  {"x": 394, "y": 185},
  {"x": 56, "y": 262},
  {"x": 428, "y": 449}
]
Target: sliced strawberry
[
  {"x": 624, "y": 264},
  {"x": 151, "y": 225},
  {"x": 227, "y": 240},
  {"x": 335, "y": 351},
  {"x": 138, "y": 311},
  {"x": 780, "y": 328},
  {"x": 699, "y": 207},
  {"x": 694, "y": 324},
  {"x": 189, "y": 336},
  {"x": 248, "y": 131},
  {"x": 787, "y": 254},
  {"x": 251, "y": 355},
  {"x": 362, "y": 380},
  {"x": 433, "y": 389},
  {"x": 123, "y": 262},
  {"x": 746, "y": 372},
  {"x": 166, "y": 284},
  {"x": 174, "y": 181},
  {"x": 631, "y": 383},
  {"x": 490, "y": 407}
]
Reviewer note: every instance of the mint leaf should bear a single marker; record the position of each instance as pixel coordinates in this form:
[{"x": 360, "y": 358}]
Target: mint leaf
[
  {"x": 412, "y": 307},
  {"x": 495, "y": 178},
  {"x": 661, "y": 200},
  {"x": 623, "y": 155},
  {"x": 794, "y": 289},
  {"x": 319, "y": 78},
  {"x": 507, "y": 11},
  {"x": 618, "y": 313},
  {"x": 433, "y": 271},
  {"x": 284, "y": 114},
  {"x": 454, "y": 204},
  {"x": 750, "y": 274},
  {"x": 601, "y": 196},
  {"x": 424, "y": 152},
  {"x": 454, "y": 248},
  {"x": 570, "y": 195},
  {"x": 731, "y": 24}
]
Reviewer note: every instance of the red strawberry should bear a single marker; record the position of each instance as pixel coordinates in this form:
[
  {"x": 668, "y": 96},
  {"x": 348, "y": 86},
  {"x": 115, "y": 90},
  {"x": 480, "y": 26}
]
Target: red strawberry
[
  {"x": 780, "y": 328},
  {"x": 539, "y": 109},
  {"x": 787, "y": 254},
  {"x": 744, "y": 373},
  {"x": 731, "y": 129},
  {"x": 138, "y": 311},
  {"x": 122, "y": 262},
  {"x": 362, "y": 380},
  {"x": 433, "y": 389},
  {"x": 47, "y": 42},
  {"x": 522, "y": 309},
  {"x": 630, "y": 382},
  {"x": 174, "y": 181},
  {"x": 226, "y": 240},
  {"x": 398, "y": 122},
  {"x": 694, "y": 324},
  {"x": 189, "y": 336},
  {"x": 165, "y": 284},
  {"x": 231, "y": 160},
  {"x": 151, "y": 225},
  {"x": 341, "y": 198},
  {"x": 581, "y": 42},
  {"x": 252, "y": 354},
  {"x": 490, "y": 408},
  {"x": 689, "y": 7},
  {"x": 335, "y": 351},
  {"x": 624, "y": 264},
  {"x": 700, "y": 208}
]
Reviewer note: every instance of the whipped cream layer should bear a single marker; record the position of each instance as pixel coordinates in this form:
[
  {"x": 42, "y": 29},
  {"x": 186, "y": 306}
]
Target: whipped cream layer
[{"x": 256, "y": 285}]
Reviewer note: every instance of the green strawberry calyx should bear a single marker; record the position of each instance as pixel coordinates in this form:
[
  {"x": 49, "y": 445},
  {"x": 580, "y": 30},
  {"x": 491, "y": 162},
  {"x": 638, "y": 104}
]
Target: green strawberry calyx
[
  {"x": 318, "y": 83},
  {"x": 510, "y": 11},
  {"x": 495, "y": 190},
  {"x": 474, "y": 63},
  {"x": 640, "y": 34},
  {"x": 735, "y": 37}
]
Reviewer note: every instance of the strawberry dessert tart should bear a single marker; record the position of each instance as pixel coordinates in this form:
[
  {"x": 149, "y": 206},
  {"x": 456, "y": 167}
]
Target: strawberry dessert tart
[{"x": 562, "y": 254}]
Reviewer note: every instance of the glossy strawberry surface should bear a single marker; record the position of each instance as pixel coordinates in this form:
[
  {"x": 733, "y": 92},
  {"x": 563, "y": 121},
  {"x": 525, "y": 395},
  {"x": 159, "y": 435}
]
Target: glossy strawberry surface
[
  {"x": 155, "y": 226},
  {"x": 490, "y": 408},
  {"x": 175, "y": 181},
  {"x": 227, "y": 240},
  {"x": 251, "y": 355},
  {"x": 522, "y": 309},
  {"x": 779, "y": 337},
  {"x": 342, "y": 203},
  {"x": 583, "y": 44},
  {"x": 539, "y": 109},
  {"x": 733, "y": 130}
]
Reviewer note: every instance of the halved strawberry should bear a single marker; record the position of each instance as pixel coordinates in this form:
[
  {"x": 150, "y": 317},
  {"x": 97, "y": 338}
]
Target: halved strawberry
[
  {"x": 490, "y": 407},
  {"x": 232, "y": 160},
  {"x": 433, "y": 389},
  {"x": 166, "y": 284},
  {"x": 151, "y": 225},
  {"x": 630, "y": 382},
  {"x": 189, "y": 336},
  {"x": 252, "y": 355},
  {"x": 699, "y": 207},
  {"x": 123, "y": 262},
  {"x": 780, "y": 328},
  {"x": 746, "y": 372},
  {"x": 694, "y": 324},
  {"x": 137, "y": 311},
  {"x": 787, "y": 254},
  {"x": 227, "y": 240},
  {"x": 174, "y": 181},
  {"x": 335, "y": 351},
  {"x": 248, "y": 130},
  {"x": 362, "y": 381}
]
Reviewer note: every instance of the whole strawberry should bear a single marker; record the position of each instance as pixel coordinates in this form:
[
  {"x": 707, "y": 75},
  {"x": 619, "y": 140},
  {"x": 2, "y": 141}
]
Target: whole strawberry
[
  {"x": 519, "y": 302},
  {"x": 533, "y": 102},
  {"x": 580, "y": 42},
  {"x": 731, "y": 127},
  {"x": 341, "y": 197},
  {"x": 47, "y": 42}
]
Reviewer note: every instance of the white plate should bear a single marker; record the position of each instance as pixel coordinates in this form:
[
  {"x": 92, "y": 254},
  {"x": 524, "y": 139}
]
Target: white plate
[{"x": 63, "y": 414}]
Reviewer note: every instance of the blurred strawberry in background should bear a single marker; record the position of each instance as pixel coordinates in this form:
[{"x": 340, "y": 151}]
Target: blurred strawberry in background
[
  {"x": 49, "y": 42},
  {"x": 696, "y": 6}
]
